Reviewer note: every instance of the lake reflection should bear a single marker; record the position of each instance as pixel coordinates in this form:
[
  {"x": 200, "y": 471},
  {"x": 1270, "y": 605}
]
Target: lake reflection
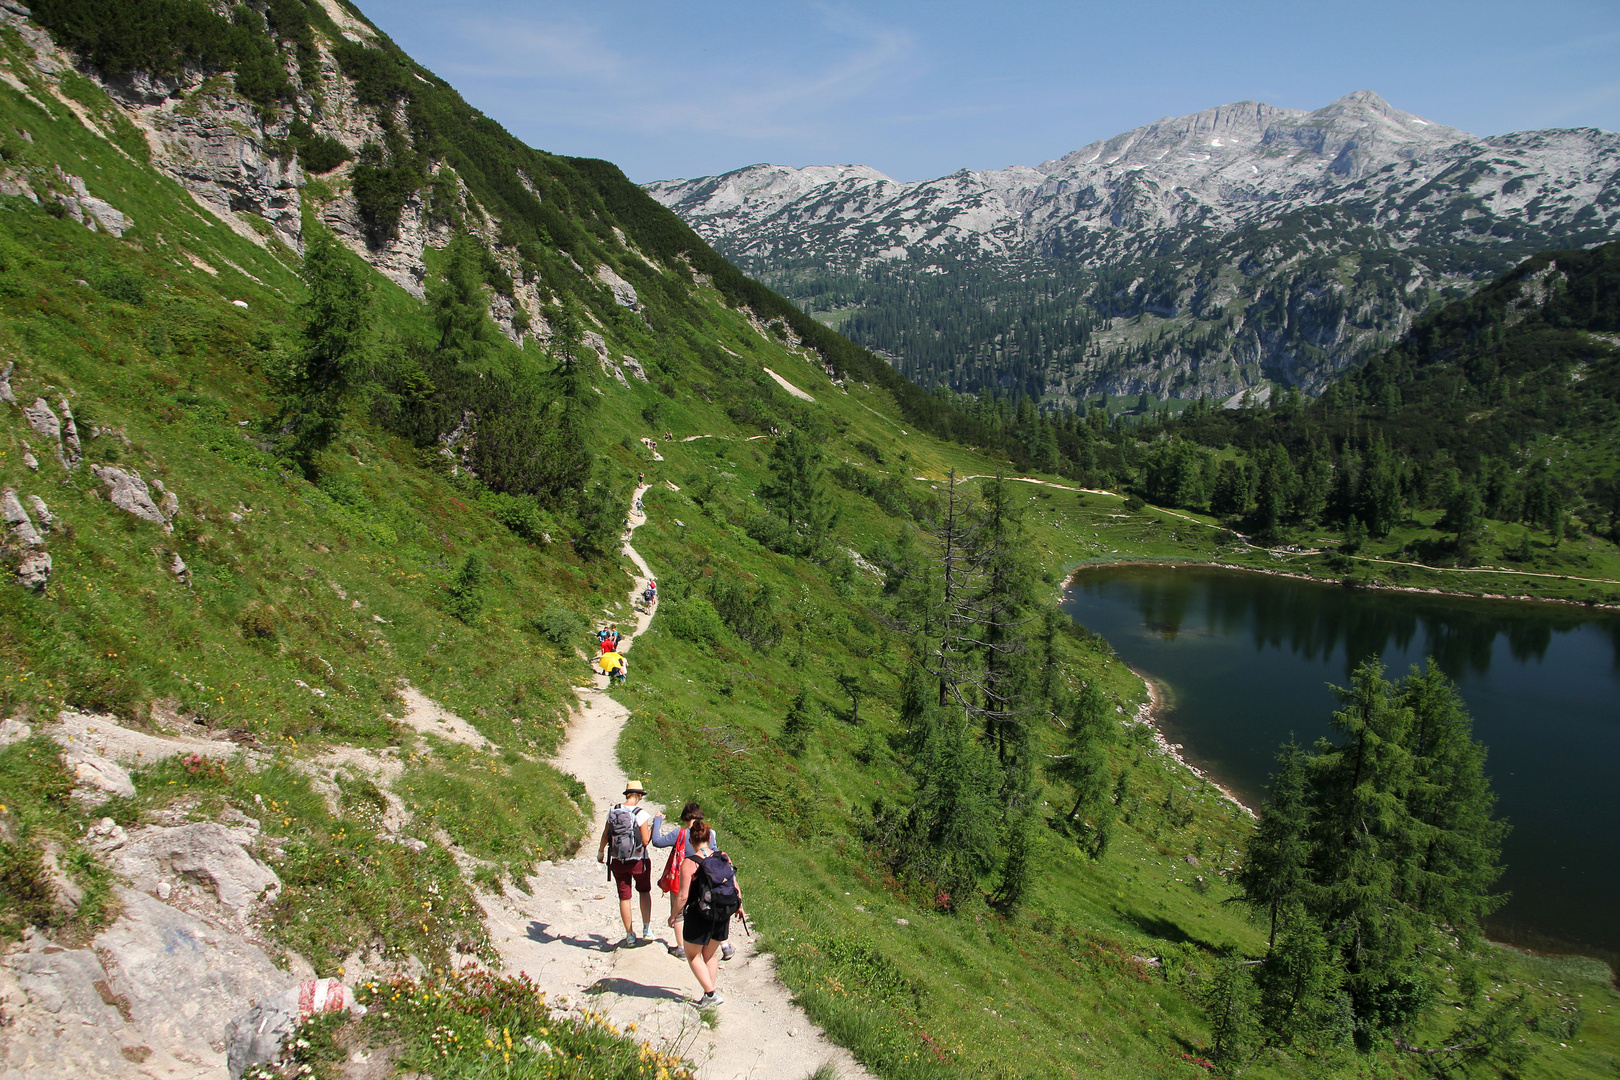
[{"x": 1246, "y": 659}]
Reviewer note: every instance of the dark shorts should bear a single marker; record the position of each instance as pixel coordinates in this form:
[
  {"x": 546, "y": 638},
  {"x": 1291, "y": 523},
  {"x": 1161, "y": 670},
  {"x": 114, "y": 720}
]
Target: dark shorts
[
  {"x": 639, "y": 871},
  {"x": 699, "y": 929}
]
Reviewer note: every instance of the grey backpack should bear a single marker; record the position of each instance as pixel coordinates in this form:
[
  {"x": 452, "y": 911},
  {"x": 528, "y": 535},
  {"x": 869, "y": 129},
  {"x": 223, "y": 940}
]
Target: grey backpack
[{"x": 624, "y": 839}]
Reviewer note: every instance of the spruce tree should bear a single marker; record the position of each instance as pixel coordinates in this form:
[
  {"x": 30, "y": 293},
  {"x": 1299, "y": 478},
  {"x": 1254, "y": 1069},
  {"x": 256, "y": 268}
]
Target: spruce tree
[
  {"x": 1083, "y": 765},
  {"x": 332, "y": 348},
  {"x": 796, "y": 493},
  {"x": 1361, "y": 832},
  {"x": 1456, "y": 840},
  {"x": 1277, "y": 866}
]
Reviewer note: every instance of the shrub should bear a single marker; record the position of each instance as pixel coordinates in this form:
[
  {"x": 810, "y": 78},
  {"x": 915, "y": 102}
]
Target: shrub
[
  {"x": 322, "y": 153},
  {"x": 562, "y": 625},
  {"x": 257, "y": 624},
  {"x": 1134, "y": 505},
  {"x": 694, "y": 619},
  {"x": 122, "y": 285}
]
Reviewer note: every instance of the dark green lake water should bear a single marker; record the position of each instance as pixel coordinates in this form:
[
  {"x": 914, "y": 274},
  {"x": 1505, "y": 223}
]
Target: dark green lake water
[{"x": 1246, "y": 659}]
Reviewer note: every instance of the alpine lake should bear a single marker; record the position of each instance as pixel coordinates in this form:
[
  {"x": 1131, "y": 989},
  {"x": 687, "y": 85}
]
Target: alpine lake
[{"x": 1243, "y": 661}]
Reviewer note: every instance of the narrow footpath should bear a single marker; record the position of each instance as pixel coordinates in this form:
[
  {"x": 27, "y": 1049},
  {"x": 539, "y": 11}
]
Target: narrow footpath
[{"x": 564, "y": 934}]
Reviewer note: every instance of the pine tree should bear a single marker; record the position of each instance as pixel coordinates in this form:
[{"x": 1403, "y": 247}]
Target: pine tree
[
  {"x": 466, "y": 600},
  {"x": 1299, "y": 981},
  {"x": 1277, "y": 867},
  {"x": 1231, "y": 494},
  {"x": 1084, "y": 767},
  {"x": 465, "y": 337},
  {"x": 1456, "y": 840},
  {"x": 1378, "y": 494},
  {"x": 332, "y": 348},
  {"x": 796, "y": 493},
  {"x": 1362, "y": 853}
]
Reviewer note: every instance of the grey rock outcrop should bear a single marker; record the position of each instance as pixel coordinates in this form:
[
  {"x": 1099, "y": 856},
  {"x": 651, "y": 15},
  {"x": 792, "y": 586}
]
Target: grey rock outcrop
[
  {"x": 42, "y": 512},
  {"x": 70, "y": 434},
  {"x": 92, "y": 212},
  {"x": 13, "y": 730},
  {"x": 66, "y": 894},
  {"x": 207, "y": 854},
  {"x": 5, "y": 383},
  {"x": 128, "y": 492},
  {"x": 34, "y": 572},
  {"x": 96, "y": 778},
  {"x": 43, "y": 421},
  {"x": 16, "y": 518},
  {"x": 182, "y": 979},
  {"x": 624, "y": 293}
]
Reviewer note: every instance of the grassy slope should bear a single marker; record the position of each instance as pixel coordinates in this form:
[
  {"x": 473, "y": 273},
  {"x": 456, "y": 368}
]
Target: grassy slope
[{"x": 936, "y": 995}]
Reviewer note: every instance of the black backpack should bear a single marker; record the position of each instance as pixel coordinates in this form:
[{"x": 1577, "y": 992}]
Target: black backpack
[{"x": 714, "y": 887}]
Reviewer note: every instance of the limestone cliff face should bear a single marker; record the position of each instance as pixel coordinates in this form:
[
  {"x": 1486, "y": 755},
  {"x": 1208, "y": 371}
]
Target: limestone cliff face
[{"x": 241, "y": 165}]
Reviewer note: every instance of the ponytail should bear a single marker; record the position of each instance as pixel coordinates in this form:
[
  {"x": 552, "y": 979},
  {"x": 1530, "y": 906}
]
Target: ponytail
[{"x": 699, "y": 832}]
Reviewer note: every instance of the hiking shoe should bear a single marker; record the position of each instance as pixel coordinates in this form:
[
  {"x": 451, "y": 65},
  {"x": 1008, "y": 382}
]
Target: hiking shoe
[
  {"x": 727, "y": 951},
  {"x": 710, "y": 1000},
  {"x": 646, "y": 933},
  {"x": 677, "y": 952},
  {"x": 630, "y": 941}
]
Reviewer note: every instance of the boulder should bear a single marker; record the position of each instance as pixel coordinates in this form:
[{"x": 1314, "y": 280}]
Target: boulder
[
  {"x": 42, "y": 420},
  {"x": 96, "y": 778},
  {"x": 205, "y": 853},
  {"x": 13, "y": 731},
  {"x": 624, "y": 293},
  {"x": 5, "y": 383},
  {"x": 30, "y": 460},
  {"x": 34, "y": 572},
  {"x": 257, "y": 1036},
  {"x": 16, "y": 518},
  {"x": 128, "y": 492}
]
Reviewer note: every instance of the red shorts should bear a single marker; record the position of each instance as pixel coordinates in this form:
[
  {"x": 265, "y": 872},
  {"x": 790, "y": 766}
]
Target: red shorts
[{"x": 639, "y": 871}]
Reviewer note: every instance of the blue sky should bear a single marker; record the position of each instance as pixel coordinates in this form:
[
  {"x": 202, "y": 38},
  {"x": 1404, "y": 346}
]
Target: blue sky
[{"x": 921, "y": 89}]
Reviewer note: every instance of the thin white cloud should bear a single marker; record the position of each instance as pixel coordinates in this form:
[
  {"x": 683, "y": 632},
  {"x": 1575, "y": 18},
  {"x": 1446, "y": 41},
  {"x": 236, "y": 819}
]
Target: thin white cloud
[{"x": 566, "y": 69}]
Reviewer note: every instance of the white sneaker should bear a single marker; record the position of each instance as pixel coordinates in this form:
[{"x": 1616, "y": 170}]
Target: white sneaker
[
  {"x": 646, "y": 932},
  {"x": 710, "y": 999},
  {"x": 727, "y": 951}
]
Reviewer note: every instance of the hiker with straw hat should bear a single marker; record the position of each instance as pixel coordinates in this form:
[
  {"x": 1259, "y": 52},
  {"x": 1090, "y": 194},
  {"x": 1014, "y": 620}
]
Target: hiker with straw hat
[{"x": 624, "y": 848}]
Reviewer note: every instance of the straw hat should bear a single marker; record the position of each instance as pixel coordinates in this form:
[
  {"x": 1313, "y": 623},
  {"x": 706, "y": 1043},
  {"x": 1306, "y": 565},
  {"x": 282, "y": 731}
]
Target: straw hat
[{"x": 634, "y": 788}]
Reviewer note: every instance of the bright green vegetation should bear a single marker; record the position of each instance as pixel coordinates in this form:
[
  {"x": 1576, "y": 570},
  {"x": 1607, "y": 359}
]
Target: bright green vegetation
[
  {"x": 1013, "y": 883},
  {"x": 474, "y": 1025}
]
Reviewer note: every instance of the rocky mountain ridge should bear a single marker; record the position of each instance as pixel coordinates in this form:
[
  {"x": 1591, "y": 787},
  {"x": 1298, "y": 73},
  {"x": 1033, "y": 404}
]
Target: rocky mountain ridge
[{"x": 1202, "y": 254}]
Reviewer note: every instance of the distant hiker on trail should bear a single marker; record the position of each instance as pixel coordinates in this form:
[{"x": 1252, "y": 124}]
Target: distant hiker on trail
[
  {"x": 709, "y": 897},
  {"x": 641, "y": 478},
  {"x": 624, "y": 838},
  {"x": 677, "y": 837}
]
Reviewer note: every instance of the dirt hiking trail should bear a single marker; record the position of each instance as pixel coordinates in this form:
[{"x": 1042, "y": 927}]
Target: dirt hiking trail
[{"x": 564, "y": 934}]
